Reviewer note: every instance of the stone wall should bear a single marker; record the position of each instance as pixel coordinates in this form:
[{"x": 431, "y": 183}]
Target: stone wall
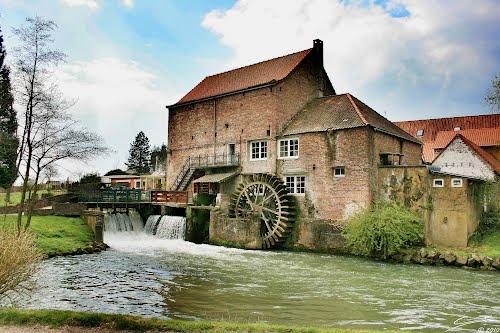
[
  {"x": 241, "y": 233},
  {"x": 317, "y": 235},
  {"x": 95, "y": 220},
  {"x": 451, "y": 214}
]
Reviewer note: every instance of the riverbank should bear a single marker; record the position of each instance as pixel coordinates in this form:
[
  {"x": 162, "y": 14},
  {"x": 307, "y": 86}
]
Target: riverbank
[
  {"x": 83, "y": 322},
  {"x": 59, "y": 235}
]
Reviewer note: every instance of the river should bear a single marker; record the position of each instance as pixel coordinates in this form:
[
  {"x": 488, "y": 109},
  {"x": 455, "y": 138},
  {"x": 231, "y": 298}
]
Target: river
[{"x": 143, "y": 275}]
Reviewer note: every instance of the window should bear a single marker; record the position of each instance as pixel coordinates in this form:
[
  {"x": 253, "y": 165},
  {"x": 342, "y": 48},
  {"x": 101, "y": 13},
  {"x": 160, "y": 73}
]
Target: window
[
  {"x": 137, "y": 184},
  {"x": 420, "y": 132},
  {"x": 456, "y": 182},
  {"x": 438, "y": 183},
  {"x": 339, "y": 171},
  {"x": 295, "y": 184},
  {"x": 258, "y": 150},
  {"x": 456, "y": 129},
  {"x": 289, "y": 148}
]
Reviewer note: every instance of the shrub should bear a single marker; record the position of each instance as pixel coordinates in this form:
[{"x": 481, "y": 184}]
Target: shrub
[
  {"x": 383, "y": 230},
  {"x": 489, "y": 222},
  {"x": 19, "y": 259}
]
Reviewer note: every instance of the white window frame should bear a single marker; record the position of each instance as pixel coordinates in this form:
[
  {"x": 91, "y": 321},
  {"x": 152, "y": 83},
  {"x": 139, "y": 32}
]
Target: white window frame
[
  {"x": 260, "y": 144},
  {"x": 461, "y": 182},
  {"x": 295, "y": 182},
  {"x": 288, "y": 145},
  {"x": 339, "y": 168},
  {"x": 420, "y": 133},
  {"x": 438, "y": 179}
]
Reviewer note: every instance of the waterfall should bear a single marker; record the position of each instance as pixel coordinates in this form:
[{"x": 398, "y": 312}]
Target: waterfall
[
  {"x": 171, "y": 227},
  {"x": 119, "y": 222},
  {"x": 151, "y": 224}
]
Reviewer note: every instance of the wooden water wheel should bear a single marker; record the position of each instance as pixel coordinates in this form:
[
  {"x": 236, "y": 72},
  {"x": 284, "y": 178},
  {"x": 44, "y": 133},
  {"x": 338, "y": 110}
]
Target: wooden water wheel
[{"x": 265, "y": 196}]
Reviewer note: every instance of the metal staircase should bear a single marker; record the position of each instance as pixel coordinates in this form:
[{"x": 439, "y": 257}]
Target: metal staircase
[{"x": 194, "y": 163}]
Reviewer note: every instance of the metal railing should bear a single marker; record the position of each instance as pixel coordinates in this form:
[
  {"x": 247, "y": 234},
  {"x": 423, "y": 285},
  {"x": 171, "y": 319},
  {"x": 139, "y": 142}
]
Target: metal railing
[
  {"x": 112, "y": 196},
  {"x": 205, "y": 161}
]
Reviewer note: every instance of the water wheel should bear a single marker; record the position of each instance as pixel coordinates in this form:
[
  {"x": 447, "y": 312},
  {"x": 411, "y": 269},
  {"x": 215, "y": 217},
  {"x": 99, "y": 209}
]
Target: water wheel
[{"x": 265, "y": 196}]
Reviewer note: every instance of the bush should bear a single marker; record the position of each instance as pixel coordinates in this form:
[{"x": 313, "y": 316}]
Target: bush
[
  {"x": 489, "y": 222},
  {"x": 383, "y": 231},
  {"x": 19, "y": 259}
]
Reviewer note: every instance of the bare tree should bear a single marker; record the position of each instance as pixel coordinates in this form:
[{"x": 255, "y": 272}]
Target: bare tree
[
  {"x": 49, "y": 133},
  {"x": 493, "y": 95}
]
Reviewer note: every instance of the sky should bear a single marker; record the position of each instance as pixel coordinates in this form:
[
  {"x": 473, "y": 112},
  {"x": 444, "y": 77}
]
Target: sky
[{"x": 128, "y": 59}]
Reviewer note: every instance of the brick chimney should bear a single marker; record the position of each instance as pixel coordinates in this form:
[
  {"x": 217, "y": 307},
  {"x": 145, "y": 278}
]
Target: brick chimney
[{"x": 318, "y": 52}]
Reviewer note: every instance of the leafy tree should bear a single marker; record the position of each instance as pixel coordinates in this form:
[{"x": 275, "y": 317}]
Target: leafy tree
[
  {"x": 139, "y": 154},
  {"x": 115, "y": 172},
  {"x": 159, "y": 157},
  {"x": 90, "y": 178},
  {"x": 493, "y": 95},
  {"x": 8, "y": 127}
]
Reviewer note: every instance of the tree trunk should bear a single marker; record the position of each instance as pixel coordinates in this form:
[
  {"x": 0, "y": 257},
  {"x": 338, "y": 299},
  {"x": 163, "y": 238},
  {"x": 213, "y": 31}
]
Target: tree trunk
[{"x": 8, "y": 190}]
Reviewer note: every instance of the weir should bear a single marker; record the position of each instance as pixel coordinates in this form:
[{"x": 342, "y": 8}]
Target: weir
[{"x": 164, "y": 227}]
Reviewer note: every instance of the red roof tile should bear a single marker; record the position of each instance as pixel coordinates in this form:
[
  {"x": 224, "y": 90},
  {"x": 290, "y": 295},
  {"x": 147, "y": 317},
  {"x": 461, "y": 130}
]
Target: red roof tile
[
  {"x": 255, "y": 75},
  {"x": 431, "y": 128},
  {"x": 482, "y": 137}
]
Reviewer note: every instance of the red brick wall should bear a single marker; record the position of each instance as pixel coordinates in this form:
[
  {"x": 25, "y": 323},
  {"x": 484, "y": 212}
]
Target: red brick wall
[
  {"x": 238, "y": 119},
  {"x": 388, "y": 143},
  {"x": 330, "y": 197}
]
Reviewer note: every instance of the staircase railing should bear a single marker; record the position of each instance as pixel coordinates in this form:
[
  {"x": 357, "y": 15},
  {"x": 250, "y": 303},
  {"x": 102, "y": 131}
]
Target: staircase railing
[
  {"x": 203, "y": 161},
  {"x": 184, "y": 171}
]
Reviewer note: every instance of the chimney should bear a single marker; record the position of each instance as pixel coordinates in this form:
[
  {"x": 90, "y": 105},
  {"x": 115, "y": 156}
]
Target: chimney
[{"x": 318, "y": 52}]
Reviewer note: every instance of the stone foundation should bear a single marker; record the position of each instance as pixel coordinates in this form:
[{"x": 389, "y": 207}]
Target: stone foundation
[
  {"x": 318, "y": 235},
  {"x": 242, "y": 233}
]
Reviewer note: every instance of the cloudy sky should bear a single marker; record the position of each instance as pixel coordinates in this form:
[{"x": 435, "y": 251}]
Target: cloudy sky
[{"x": 127, "y": 59}]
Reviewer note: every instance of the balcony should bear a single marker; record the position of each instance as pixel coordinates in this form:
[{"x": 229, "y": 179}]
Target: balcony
[{"x": 211, "y": 161}]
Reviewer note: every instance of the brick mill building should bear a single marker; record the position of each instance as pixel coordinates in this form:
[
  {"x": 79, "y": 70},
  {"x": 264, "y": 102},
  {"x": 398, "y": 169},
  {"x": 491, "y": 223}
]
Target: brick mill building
[{"x": 278, "y": 127}]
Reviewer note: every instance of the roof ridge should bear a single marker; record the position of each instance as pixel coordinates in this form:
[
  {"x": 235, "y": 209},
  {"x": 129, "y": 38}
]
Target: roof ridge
[
  {"x": 358, "y": 111},
  {"x": 258, "y": 63},
  {"x": 454, "y": 117}
]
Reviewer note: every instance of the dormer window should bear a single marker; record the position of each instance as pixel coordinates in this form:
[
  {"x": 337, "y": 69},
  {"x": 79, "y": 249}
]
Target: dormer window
[
  {"x": 420, "y": 132},
  {"x": 456, "y": 129}
]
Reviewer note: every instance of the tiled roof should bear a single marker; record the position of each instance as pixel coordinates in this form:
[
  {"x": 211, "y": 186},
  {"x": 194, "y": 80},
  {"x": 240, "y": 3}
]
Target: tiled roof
[
  {"x": 431, "y": 128},
  {"x": 487, "y": 157},
  {"x": 340, "y": 112},
  {"x": 255, "y": 75},
  {"x": 482, "y": 137}
]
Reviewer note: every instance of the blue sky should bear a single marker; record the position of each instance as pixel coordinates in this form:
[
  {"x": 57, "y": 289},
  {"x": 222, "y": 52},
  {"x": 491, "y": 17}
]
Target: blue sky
[{"x": 127, "y": 59}]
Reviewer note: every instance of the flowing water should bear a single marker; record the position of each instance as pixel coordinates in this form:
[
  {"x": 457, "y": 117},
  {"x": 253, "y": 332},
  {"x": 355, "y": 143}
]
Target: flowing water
[
  {"x": 145, "y": 275},
  {"x": 171, "y": 227},
  {"x": 114, "y": 222}
]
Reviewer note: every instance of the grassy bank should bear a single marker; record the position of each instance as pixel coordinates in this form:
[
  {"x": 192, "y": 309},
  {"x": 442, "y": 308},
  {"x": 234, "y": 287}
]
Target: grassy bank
[
  {"x": 56, "y": 235},
  {"x": 54, "y": 318},
  {"x": 15, "y": 197},
  {"x": 488, "y": 245}
]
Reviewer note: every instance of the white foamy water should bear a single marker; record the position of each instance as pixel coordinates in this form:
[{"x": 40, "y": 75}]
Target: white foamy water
[
  {"x": 171, "y": 227},
  {"x": 151, "y": 224},
  {"x": 120, "y": 222}
]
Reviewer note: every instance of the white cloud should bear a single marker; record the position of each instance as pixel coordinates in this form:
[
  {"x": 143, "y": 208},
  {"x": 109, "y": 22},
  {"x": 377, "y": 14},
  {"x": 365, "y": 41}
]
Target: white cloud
[
  {"x": 92, "y": 4},
  {"x": 128, "y": 3},
  {"x": 117, "y": 99},
  {"x": 441, "y": 46}
]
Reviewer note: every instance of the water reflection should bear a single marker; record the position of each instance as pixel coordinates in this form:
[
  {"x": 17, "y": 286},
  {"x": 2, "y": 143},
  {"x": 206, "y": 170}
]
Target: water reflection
[{"x": 147, "y": 276}]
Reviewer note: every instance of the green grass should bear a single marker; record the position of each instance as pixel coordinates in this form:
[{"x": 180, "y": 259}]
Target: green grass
[
  {"x": 15, "y": 197},
  {"x": 56, "y": 235},
  {"x": 488, "y": 245},
  {"x": 55, "y": 318}
]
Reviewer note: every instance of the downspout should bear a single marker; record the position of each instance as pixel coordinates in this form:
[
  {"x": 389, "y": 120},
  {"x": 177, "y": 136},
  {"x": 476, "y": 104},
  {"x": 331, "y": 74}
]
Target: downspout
[{"x": 215, "y": 126}]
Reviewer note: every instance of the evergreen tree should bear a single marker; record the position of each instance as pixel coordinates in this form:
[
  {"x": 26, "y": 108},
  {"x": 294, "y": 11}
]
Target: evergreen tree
[
  {"x": 139, "y": 154},
  {"x": 8, "y": 127},
  {"x": 159, "y": 157}
]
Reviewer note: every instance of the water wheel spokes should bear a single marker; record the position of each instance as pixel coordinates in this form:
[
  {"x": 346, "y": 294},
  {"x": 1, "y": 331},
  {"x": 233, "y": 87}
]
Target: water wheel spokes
[{"x": 266, "y": 197}]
